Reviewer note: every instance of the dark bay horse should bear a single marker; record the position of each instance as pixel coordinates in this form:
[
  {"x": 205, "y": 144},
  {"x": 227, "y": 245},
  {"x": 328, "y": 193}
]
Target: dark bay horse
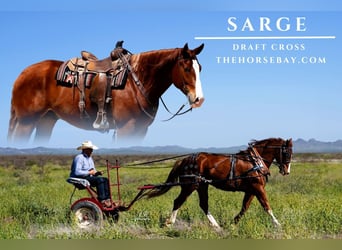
[
  {"x": 38, "y": 102},
  {"x": 245, "y": 171}
]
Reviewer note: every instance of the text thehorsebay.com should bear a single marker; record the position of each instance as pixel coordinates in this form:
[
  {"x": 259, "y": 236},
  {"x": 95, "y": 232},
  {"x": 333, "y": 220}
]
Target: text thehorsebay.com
[{"x": 268, "y": 48}]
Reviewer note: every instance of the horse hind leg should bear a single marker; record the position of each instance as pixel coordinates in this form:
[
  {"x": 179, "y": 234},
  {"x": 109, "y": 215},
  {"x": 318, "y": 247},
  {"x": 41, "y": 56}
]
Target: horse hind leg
[
  {"x": 19, "y": 130},
  {"x": 186, "y": 190},
  {"x": 44, "y": 127},
  {"x": 13, "y": 123},
  {"x": 203, "y": 202},
  {"x": 172, "y": 218}
]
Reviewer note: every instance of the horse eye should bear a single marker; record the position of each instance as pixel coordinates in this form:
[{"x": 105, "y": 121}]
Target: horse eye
[
  {"x": 187, "y": 64},
  {"x": 188, "y": 61}
]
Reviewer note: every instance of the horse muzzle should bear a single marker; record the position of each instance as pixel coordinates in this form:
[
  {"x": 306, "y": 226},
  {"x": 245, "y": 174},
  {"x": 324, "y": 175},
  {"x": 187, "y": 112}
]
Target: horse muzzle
[
  {"x": 197, "y": 102},
  {"x": 284, "y": 170},
  {"x": 284, "y": 173}
]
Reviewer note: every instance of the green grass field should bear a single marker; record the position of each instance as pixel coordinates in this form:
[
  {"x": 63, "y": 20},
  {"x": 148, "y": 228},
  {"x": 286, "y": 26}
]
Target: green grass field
[{"x": 35, "y": 203}]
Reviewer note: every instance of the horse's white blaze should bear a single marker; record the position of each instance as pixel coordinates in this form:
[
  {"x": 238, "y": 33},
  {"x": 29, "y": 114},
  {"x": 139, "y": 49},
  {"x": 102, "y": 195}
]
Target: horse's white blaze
[
  {"x": 274, "y": 219},
  {"x": 212, "y": 220},
  {"x": 199, "y": 91}
]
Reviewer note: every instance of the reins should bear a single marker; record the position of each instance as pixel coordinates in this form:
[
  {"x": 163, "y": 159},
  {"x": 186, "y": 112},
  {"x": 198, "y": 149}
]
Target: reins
[
  {"x": 177, "y": 113},
  {"x": 159, "y": 160}
]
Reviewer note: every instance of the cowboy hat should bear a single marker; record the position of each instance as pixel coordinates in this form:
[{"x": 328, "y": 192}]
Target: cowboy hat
[{"x": 87, "y": 144}]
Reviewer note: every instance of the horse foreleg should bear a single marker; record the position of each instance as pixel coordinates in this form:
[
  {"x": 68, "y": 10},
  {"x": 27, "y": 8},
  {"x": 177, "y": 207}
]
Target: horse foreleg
[
  {"x": 247, "y": 199},
  {"x": 203, "y": 202},
  {"x": 274, "y": 219},
  {"x": 132, "y": 130},
  {"x": 262, "y": 198},
  {"x": 178, "y": 202}
]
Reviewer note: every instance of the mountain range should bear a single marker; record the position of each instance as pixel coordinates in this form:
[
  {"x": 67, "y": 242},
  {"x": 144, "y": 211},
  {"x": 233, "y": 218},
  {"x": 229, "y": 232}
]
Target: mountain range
[{"x": 300, "y": 146}]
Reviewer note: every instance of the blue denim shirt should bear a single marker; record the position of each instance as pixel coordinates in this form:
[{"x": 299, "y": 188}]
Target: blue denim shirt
[{"x": 81, "y": 165}]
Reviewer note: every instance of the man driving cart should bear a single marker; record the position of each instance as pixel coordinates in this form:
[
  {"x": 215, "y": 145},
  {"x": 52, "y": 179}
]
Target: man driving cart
[{"x": 83, "y": 167}]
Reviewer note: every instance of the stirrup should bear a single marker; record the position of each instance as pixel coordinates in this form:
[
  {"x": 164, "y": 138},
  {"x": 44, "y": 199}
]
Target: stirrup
[
  {"x": 108, "y": 100},
  {"x": 101, "y": 122}
]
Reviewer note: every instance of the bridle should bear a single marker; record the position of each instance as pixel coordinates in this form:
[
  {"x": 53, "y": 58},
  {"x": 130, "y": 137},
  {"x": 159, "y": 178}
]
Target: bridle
[
  {"x": 179, "y": 111},
  {"x": 284, "y": 155},
  {"x": 142, "y": 90}
]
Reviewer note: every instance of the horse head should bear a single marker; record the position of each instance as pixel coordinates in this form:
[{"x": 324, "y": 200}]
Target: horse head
[
  {"x": 283, "y": 156},
  {"x": 276, "y": 149},
  {"x": 186, "y": 75}
]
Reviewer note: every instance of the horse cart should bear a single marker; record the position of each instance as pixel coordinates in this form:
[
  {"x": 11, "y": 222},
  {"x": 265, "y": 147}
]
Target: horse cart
[{"x": 89, "y": 212}]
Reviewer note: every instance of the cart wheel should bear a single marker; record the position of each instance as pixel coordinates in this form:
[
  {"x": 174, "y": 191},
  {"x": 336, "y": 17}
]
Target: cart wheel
[{"x": 87, "y": 215}]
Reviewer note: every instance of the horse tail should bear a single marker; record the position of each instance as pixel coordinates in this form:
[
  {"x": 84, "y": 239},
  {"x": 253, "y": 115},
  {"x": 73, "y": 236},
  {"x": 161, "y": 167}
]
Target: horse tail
[
  {"x": 171, "y": 179},
  {"x": 12, "y": 124}
]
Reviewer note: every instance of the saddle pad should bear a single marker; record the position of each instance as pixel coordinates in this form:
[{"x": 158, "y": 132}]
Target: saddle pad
[
  {"x": 65, "y": 76},
  {"x": 68, "y": 74}
]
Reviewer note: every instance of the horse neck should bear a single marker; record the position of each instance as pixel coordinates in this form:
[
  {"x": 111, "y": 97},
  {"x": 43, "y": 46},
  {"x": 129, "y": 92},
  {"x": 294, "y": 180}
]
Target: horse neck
[
  {"x": 269, "y": 149},
  {"x": 154, "y": 70},
  {"x": 267, "y": 154}
]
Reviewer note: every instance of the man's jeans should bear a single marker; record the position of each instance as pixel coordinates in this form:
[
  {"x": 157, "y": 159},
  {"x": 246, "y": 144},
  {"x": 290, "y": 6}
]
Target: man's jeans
[{"x": 101, "y": 184}]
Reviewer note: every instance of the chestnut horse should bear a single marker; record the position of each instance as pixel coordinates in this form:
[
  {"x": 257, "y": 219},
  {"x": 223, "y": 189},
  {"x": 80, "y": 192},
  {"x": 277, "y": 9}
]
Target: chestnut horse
[
  {"x": 38, "y": 101},
  {"x": 245, "y": 171}
]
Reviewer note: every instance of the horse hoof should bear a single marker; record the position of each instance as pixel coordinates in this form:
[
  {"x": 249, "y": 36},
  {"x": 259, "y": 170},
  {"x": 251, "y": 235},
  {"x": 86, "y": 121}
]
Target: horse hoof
[
  {"x": 277, "y": 225},
  {"x": 218, "y": 229},
  {"x": 168, "y": 223}
]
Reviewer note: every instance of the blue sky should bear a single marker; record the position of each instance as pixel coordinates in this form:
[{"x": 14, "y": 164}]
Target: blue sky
[{"x": 243, "y": 101}]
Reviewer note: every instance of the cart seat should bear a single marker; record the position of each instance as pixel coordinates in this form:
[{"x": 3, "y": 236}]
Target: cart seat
[{"x": 78, "y": 182}]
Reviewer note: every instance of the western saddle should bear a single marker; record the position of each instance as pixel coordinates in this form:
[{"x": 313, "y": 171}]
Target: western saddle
[{"x": 112, "y": 73}]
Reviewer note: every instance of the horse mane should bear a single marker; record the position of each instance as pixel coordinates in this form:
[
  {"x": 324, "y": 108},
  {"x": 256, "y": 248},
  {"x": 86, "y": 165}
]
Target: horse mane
[
  {"x": 264, "y": 141},
  {"x": 149, "y": 63},
  {"x": 254, "y": 142},
  {"x": 155, "y": 58}
]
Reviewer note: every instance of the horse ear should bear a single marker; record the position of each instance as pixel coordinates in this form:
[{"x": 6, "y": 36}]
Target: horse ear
[
  {"x": 185, "y": 51},
  {"x": 199, "y": 49}
]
